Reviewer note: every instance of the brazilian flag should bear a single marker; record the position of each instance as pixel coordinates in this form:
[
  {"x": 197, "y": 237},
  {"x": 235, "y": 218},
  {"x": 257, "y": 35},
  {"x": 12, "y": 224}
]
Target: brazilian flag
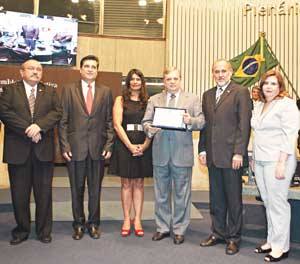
[{"x": 252, "y": 63}]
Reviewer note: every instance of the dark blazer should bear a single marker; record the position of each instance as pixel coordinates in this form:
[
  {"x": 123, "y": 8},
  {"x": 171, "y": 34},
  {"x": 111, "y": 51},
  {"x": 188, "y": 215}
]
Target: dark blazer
[
  {"x": 16, "y": 116},
  {"x": 227, "y": 128},
  {"x": 80, "y": 132}
]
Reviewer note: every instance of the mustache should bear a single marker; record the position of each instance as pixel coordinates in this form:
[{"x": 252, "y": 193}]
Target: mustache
[{"x": 34, "y": 75}]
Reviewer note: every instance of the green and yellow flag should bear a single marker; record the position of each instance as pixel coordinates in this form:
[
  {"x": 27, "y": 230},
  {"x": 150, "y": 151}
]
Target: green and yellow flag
[{"x": 252, "y": 63}]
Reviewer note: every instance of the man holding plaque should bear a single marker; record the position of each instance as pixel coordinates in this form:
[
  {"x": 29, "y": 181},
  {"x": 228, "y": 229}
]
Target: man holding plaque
[
  {"x": 223, "y": 144},
  {"x": 169, "y": 119}
]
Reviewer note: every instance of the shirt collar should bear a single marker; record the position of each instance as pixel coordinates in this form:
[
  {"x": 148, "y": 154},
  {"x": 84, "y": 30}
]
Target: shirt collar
[
  {"x": 28, "y": 86},
  {"x": 176, "y": 94},
  {"x": 223, "y": 87},
  {"x": 85, "y": 84}
]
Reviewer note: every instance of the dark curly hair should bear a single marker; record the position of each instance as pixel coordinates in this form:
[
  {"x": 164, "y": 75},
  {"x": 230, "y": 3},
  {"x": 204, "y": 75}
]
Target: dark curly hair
[{"x": 143, "y": 96}]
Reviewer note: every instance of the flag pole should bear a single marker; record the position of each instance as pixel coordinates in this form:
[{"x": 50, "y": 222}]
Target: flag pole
[
  {"x": 280, "y": 67},
  {"x": 262, "y": 37}
]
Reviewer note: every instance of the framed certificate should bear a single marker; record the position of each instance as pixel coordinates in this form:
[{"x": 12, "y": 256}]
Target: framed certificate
[{"x": 169, "y": 118}]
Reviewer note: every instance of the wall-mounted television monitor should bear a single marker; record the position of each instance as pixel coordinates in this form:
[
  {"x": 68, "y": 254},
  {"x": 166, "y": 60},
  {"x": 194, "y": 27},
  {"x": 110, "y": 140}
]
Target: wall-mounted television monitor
[{"x": 48, "y": 39}]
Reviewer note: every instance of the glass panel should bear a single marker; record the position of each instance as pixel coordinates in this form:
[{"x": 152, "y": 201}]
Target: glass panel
[
  {"x": 86, "y": 11},
  {"x": 24, "y": 6},
  {"x": 141, "y": 18}
]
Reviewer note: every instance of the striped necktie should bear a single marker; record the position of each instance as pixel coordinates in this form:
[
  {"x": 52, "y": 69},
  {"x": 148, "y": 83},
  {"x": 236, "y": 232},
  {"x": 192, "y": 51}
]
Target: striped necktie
[
  {"x": 31, "y": 101},
  {"x": 172, "y": 101},
  {"x": 219, "y": 93}
]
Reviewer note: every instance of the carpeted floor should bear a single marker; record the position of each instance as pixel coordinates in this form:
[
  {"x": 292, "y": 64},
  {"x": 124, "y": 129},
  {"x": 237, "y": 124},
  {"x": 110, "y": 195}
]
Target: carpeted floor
[
  {"x": 112, "y": 248},
  {"x": 111, "y": 208}
]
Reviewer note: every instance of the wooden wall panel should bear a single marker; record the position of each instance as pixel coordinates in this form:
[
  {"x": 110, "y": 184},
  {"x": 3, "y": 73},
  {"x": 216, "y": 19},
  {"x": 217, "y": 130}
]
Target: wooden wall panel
[
  {"x": 120, "y": 55},
  {"x": 148, "y": 56}
]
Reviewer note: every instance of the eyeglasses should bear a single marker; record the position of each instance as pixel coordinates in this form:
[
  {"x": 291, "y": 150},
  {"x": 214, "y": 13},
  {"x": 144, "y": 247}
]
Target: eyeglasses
[{"x": 38, "y": 69}]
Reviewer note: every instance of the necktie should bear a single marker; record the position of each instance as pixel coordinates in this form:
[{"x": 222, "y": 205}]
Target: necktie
[
  {"x": 89, "y": 99},
  {"x": 219, "y": 93},
  {"x": 172, "y": 100},
  {"x": 31, "y": 101}
]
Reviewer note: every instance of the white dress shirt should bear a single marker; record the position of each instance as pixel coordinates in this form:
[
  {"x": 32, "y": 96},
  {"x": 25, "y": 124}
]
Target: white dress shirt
[
  {"x": 220, "y": 90},
  {"x": 28, "y": 89}
]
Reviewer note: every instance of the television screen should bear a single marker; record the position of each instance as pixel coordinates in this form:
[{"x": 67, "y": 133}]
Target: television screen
[{"x": 48, "y": 39}]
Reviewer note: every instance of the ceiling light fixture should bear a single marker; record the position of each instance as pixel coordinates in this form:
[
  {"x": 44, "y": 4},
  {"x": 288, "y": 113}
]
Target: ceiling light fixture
[
  {"x": 83, "y": 17},
  {"x": 75, "y": 1},
  {"x": 142, "y": 2},
  {"x": 160, "y": 20}
]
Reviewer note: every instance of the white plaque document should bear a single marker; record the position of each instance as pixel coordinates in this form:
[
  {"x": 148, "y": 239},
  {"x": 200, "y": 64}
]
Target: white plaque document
[{"x": 169, "y": 118}]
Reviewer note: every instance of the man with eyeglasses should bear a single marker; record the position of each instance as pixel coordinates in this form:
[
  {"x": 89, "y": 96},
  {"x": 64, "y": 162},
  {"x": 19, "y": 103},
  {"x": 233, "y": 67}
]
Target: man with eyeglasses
[
  {"x": 86, "y": 138},
  {"x": 30, "y": 110},
  {"x": 173, "y": 156}
]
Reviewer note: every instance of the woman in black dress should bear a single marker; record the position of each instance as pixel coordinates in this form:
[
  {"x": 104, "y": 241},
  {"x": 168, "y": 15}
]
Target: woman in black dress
[{"x": 131, "y": 158}]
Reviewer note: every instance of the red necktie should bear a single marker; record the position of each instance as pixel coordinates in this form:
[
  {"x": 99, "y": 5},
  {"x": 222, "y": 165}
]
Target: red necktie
[{"x": 89, "y": 99}]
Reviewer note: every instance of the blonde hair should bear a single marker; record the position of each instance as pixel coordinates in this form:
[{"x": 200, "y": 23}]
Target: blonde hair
[{"x": 171, "y": 69}]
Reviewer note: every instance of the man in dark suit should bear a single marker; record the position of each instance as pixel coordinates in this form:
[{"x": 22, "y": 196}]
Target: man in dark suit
[
  {"x": 222, "y": 146},
  {"x": 30, "y": 110},
  {"x": 86, "y": 138}
]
